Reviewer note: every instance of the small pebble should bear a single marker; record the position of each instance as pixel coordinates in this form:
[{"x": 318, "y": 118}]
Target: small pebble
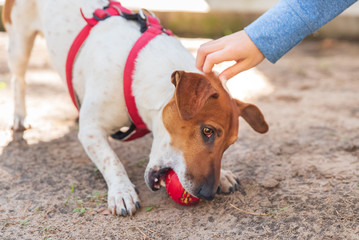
[{"x": 269, "y": 183}]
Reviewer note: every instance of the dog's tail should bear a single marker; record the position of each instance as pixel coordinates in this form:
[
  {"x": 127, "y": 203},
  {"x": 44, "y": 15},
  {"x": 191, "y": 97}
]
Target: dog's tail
[{"x": 6, "y": 12}]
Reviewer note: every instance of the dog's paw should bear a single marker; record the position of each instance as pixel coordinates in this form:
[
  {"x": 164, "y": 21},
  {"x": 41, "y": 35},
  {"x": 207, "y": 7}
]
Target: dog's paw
[
  {"x": 229, "y": 183},
  {"x": 19, "y": 124},
  {"x": 123, "y": 200}
]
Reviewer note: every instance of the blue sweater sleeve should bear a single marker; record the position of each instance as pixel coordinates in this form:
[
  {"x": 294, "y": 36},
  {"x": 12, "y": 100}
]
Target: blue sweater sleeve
[{"x": 286, "y": 24}]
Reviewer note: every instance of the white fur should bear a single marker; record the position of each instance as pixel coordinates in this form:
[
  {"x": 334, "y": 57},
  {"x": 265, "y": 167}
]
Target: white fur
[{"x": 97, "y": 80}]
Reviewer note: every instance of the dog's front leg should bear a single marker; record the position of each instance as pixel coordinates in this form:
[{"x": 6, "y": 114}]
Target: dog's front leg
[
  {"x": 122, "y": 196},
  {"x": 229, "y": 183}
]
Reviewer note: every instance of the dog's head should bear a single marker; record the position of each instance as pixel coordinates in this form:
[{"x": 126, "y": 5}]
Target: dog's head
[{"x": 200, "y": 123}]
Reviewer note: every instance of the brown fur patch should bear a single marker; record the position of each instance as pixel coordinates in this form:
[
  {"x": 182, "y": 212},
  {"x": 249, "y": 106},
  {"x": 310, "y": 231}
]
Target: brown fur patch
[
  {"x": 203, "y": 159},
  {"x": 6, "y": 11},
  {"x": 199, "y": 102}
]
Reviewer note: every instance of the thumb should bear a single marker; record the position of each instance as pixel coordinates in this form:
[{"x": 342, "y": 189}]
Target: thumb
[{"x": 234, "y": 70}]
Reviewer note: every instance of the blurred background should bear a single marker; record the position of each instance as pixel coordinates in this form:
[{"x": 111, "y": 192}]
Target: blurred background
[{"x": 215, "y": 18}]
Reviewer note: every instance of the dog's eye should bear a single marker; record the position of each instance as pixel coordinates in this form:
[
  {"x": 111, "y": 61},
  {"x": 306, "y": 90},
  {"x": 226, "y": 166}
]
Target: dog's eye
[{"x": 207, "y": 131}]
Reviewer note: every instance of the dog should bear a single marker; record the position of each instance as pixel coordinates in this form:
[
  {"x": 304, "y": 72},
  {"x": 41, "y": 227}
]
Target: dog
[{"x": 192, "y": 116}]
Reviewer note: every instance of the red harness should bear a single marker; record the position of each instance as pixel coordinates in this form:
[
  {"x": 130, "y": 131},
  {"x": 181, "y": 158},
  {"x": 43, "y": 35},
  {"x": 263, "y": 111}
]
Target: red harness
[{"x": 150, "y": 27}]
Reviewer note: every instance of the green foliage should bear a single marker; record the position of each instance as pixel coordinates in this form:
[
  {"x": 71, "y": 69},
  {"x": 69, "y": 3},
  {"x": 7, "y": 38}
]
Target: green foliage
[
  {"x": 71, "y": 196},
  {"x": 149, "y": 208},
  {"x": 97, "y": 197},
  {"x": 273, "y": 212},
  {"x": 81, "y": 210},
  {"x": 24, "y": 222},
  {"x": 2, "y": 85},
  {"x": 141, "y": 162}
]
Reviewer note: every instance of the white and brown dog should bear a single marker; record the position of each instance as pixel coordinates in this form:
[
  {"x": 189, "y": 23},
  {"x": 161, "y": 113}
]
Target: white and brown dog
[{"x": 192, "y": 117}]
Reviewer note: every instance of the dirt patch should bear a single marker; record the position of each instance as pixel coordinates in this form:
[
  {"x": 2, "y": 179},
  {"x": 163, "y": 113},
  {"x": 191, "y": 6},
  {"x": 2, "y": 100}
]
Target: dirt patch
[{"x": 301, "y": 178}]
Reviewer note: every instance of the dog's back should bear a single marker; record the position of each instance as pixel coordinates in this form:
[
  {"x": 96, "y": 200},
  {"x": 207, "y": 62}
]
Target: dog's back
[{"x": 59, "y": 21}]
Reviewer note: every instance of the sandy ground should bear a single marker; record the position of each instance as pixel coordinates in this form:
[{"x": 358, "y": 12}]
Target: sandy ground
[{"x": 301, "y": 178}]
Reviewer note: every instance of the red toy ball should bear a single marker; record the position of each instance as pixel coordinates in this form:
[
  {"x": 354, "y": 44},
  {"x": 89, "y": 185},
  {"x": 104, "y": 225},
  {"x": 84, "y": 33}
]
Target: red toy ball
[{"x": 177, "y": 192}]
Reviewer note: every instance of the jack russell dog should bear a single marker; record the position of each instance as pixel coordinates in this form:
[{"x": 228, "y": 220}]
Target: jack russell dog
[{"x": 191, "y": 115}]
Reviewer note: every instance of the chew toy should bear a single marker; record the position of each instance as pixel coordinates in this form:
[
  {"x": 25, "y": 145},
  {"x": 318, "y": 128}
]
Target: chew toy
[{"x": 176, "y": 191}]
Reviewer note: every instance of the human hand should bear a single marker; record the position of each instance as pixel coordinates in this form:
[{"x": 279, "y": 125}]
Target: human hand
[{"x": 237, "y": 46}]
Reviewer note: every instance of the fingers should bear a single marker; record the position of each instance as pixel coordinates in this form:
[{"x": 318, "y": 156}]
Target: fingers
[
  {"x": 238, "y": 47},
  {"x": 214, "y": 58},
  {"x": 234, "y": 70},
  {"x": 240, "y": 66},
  {"x": 205, "y": 50}
]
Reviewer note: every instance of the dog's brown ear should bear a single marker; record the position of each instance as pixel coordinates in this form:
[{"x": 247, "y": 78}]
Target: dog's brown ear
[
  {"x": 192, "y": 92},
  {"x": 252, "y": 115}
]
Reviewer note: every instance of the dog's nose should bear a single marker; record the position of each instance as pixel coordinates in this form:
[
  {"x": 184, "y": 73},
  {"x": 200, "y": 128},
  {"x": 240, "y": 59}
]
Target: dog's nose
[{"x": 206, "y": 192}]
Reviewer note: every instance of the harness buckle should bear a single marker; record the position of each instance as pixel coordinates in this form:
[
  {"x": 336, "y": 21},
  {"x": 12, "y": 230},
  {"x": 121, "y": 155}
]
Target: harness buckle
[
  {"x": 143, "y": 15},
  {"x": 100, "y": 14},
  {"x": 118, "y": 9}
]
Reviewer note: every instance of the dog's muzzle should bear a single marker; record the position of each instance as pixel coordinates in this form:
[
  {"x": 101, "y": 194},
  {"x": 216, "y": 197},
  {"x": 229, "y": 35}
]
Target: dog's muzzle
[{"x": 156, "y": 179}]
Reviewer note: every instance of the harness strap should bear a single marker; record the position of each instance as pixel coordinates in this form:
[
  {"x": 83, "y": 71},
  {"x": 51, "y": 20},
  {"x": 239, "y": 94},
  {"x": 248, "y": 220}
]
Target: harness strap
[
  {"x": 114, "y": 9},
  {"x": 154, "y": 29},
  {"x": 150, "y": 27}
]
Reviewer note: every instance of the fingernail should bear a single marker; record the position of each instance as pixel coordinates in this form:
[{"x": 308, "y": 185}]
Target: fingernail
[
  {"x": 238, "y": 182},
  {"x": 124, "y": 213},
  {"x": 223, "y": 78}
]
